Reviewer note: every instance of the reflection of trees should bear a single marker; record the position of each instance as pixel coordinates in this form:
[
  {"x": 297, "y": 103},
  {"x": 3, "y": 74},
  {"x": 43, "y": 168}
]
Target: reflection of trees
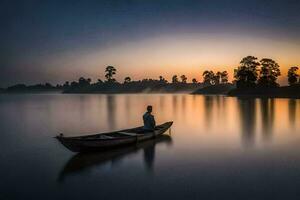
[
  {"x": 194, "y": 102},
  {"x": 292, "y": 112},
  {"x": 219, "y": 105},
  {"x": 111, "y": 111},
  {"x": 183, "y": 108},
  {"x": 175, "y": 105},
  {"x": 127, "y": 108},
  {"x": 208, "y": 104},
  {"x": 82, "y": 109},
  {"x": 161, "y": 102},
  {"x": 248, "y": 120},
  {"x": 183, "y": 102},
  {"x": 224, "y": 105},
  {"x": 221, "y": 108},
  {"x": 219, "y": 101},
  {"x": 267, "y": 113}
]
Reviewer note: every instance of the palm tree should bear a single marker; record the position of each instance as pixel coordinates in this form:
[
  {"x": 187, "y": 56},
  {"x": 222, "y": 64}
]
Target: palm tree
[
  {"x": 194, "y": 81},
  {"x": 110, "y": 72}
]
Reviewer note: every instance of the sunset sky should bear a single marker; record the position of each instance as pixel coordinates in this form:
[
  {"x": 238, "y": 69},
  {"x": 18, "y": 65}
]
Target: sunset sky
[{"x": 55, "y": 41}]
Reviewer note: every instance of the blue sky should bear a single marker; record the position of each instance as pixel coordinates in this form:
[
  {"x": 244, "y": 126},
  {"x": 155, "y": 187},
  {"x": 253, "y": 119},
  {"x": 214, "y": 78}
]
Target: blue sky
[{"x": 60, "y": 40}]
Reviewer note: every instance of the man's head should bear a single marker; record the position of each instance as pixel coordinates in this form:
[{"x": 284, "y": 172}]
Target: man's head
[{"x": 149, "y": 109}]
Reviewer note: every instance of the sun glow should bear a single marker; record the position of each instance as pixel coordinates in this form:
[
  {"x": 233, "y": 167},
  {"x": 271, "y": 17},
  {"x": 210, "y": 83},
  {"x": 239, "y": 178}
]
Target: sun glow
[{"x": 188, "y": 54}]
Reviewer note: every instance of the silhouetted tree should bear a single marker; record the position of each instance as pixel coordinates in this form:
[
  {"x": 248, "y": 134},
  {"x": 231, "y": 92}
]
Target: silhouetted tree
[
  {"x": 110, "y": 72},
  {"x": 58, "y": 86},
  {"x": 84, "y": 82},
  {"x": 208, "y": 77},
  {"x": 292, "y": 75},
  {"x": 217, "y": 78},
  {"x": 175, "y": 79},
  {"x": 66, "y": 85},
  {"x": 224, "y": 77},
  {"x": 194, "y": 81},
  {"x": 183, "y": 78},
  {"x": 127, "y": 79},
  {"x": 246, "y": 73},
  {"x": 99, "y": 81},
  {"x": 48, "y": 85},
  {"x": 162, "y": 79},
  {"x": 269, "y": 72},
  {"x": 74, "y": 84}
]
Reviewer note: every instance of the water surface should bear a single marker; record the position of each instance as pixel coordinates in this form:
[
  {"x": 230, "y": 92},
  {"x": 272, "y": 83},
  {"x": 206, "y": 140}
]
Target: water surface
[{"x": 219, "y": 147}]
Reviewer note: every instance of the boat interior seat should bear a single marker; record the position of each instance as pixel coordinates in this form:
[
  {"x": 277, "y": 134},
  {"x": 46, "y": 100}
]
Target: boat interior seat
[
  {"x": 127, "y": 133},
  {"x": 105, "y": 137}
]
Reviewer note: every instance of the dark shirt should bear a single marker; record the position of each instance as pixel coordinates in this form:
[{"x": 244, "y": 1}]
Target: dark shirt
[{"x": 149, "y": 122}]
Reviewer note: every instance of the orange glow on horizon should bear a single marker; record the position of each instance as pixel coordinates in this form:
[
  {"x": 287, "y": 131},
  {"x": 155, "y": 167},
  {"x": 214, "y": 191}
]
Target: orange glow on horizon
[{"x": 189, "y": 54}]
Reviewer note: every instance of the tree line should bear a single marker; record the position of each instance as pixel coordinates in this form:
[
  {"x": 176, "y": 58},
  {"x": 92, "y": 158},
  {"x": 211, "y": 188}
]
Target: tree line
[
  {"x": 209, "y": 77},
  {"x": 264, "y": 73},
  {"x": 250, "y": 73}
]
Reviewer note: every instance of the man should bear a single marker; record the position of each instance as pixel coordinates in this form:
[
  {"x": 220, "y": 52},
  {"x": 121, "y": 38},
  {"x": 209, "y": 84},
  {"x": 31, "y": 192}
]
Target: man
[{"x": 148, "y": 118}]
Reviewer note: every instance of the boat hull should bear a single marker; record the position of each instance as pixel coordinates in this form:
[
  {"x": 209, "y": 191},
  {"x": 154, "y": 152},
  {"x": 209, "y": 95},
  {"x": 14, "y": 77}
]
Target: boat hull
[{"x": 96, "y": 143}]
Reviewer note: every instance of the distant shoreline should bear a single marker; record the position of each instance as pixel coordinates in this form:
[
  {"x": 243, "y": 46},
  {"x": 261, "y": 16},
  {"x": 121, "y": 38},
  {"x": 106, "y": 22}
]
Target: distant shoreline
[
  {"x": 292, "y": 91},
  {"x": 220, "y": 89},
  {"x": 108, "y": 88},
  {"x": 258, "y": 92},
  {"x": 230, "y": 90}
]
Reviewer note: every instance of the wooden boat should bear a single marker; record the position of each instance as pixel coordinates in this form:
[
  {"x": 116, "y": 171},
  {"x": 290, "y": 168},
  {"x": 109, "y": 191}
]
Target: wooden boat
[{"x": 110, "y": 140}]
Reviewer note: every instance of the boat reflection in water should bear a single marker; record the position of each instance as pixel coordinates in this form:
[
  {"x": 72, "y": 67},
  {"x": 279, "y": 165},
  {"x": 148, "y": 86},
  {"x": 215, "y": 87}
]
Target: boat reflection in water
[{"x": 82, "y": 162}]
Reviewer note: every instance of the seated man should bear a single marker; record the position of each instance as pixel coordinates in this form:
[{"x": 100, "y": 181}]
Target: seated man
[{"x": 148, "y": 118}]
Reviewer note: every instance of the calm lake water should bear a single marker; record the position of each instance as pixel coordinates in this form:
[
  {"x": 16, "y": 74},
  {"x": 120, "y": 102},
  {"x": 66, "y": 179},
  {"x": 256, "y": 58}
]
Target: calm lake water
[{"x": 219, "y": 147}]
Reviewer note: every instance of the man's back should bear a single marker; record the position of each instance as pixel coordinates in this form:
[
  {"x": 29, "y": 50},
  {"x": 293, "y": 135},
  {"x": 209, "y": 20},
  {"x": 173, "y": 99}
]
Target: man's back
[{"x": 149, "y": 122}]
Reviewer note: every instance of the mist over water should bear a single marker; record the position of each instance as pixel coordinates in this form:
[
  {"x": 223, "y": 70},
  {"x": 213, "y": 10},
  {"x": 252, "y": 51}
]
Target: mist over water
[{"x": 218, "y": 147}]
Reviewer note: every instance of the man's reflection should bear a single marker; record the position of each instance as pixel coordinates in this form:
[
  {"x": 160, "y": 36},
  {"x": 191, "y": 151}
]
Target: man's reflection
[
  {"x": 149, "y": 157},
  {"x": 83, "y": 162}
]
